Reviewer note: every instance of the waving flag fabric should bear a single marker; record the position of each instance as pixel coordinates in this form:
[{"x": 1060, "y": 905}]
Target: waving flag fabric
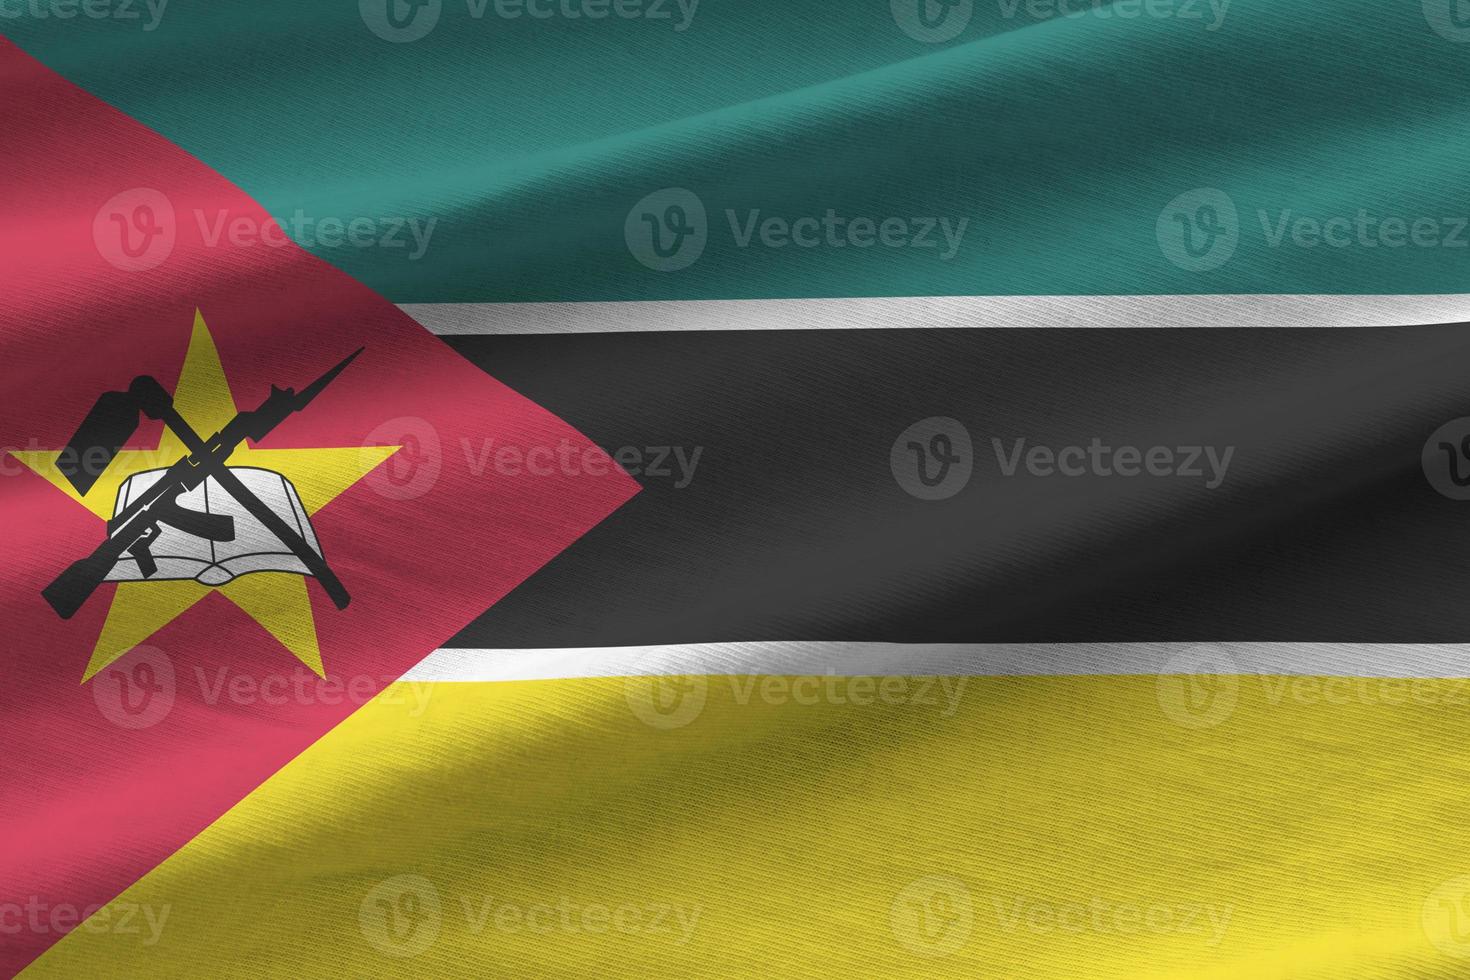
[{"x": 679, "y": 488}]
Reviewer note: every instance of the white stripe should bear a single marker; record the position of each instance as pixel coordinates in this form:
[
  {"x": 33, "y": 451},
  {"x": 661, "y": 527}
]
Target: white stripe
[
  {"x": 941, "y": 311},
  {"x": 999, "y": 659}
]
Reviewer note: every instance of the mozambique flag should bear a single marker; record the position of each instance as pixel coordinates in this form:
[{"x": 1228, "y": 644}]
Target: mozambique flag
[{"x": 735, "y": 488}]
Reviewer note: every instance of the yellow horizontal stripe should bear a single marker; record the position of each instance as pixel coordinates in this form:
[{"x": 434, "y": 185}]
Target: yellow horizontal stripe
[{"x": 1101, "y": 827}]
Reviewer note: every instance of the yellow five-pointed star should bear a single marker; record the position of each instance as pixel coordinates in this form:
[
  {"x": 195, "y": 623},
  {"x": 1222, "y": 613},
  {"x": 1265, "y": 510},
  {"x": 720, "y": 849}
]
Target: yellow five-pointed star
[{"x": 276, "y": 600}]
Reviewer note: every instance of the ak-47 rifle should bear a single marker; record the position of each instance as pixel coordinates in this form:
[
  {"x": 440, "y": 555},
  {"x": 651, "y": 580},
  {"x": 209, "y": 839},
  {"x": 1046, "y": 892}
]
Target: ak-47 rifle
[{"x": 109, "y": 425}]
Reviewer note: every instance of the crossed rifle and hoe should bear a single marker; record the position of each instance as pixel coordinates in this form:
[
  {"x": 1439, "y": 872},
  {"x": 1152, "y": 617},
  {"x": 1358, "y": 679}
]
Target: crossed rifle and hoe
[{"x": 112, "y": 422}]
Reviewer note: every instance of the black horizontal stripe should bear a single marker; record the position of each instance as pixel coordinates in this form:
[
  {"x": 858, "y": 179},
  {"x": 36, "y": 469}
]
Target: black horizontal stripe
[{"x": 793, "y": 526}]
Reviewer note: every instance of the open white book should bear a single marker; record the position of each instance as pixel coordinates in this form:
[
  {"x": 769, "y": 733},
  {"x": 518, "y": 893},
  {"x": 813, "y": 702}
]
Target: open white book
[{"x": 255, "y": 549}]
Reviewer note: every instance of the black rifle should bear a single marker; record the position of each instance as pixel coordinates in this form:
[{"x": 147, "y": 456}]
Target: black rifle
[{"x": 112, "y": 422}]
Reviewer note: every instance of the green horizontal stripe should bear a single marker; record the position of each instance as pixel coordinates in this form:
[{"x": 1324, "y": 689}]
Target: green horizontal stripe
[{"x": 1048, "y": 147}]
